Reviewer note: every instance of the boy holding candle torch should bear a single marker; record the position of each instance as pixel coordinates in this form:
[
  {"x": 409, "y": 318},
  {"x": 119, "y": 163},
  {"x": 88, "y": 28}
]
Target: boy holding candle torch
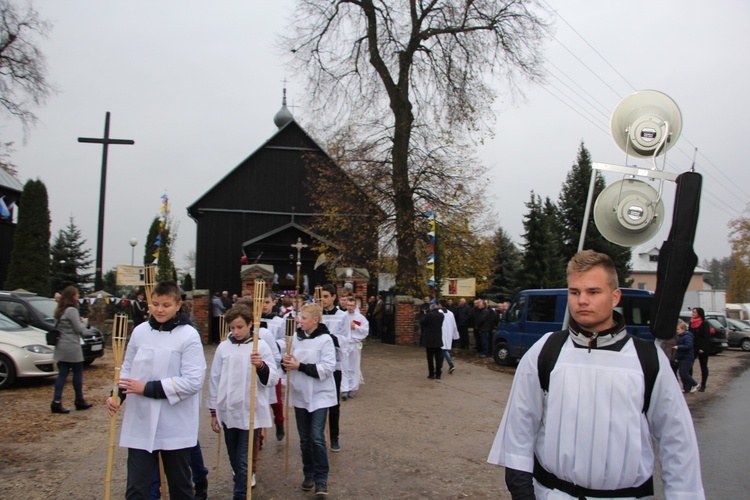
[{"x": 161, "y": 376}]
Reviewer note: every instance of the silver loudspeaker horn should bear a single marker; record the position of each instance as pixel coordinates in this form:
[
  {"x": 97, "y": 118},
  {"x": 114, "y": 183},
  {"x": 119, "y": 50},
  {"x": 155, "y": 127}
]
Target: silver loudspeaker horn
[
  {"x": 646, "y": 123},
  {"x": 627, "y": 212}
]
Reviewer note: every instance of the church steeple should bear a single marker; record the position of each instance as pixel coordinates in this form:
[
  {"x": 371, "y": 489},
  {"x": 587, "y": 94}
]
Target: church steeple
[{"x": 284, "y": 116}]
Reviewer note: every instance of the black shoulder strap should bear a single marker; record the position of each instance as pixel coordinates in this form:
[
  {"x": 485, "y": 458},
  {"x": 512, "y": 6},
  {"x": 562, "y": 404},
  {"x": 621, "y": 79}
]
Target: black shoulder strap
[
  {"x": 548, "y": 356},
  {"x": 649, "y": 359}
]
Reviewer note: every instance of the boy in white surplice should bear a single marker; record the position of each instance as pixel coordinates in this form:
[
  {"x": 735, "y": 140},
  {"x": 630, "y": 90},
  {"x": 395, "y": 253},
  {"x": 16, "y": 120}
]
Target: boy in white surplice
[{"x": 161, "y": 376}]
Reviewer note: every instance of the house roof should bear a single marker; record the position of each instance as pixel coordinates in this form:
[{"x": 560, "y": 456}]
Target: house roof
[{"x": 640, "y": 260}]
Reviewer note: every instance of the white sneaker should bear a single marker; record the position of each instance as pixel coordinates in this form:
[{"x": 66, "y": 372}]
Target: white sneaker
[
  {"x": 252, "y": 485},
  {"x": 694, "y": 388}
]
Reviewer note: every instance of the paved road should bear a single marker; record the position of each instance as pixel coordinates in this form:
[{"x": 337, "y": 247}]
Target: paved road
[{"x": 725, "y": 441}]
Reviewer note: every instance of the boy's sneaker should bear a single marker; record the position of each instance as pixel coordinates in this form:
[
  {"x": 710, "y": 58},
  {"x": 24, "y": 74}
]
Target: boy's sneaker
[
  {"x": 335, "y": 447},
  {"x": 201, "y": 490},
  {"x": 451, "y": 369},
  {"x": 308, "y": 484},
  {"x": 253, "y": 483},
  {"x": 280, "y": 433},
  {"x": 321, "y": 489}
]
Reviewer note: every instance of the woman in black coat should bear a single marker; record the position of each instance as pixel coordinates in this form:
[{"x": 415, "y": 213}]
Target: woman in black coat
[{"x": 702, "y": 334}]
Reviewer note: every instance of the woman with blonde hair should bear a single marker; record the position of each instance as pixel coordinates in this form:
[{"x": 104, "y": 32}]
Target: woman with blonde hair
[{"x": 68, "y": 352}]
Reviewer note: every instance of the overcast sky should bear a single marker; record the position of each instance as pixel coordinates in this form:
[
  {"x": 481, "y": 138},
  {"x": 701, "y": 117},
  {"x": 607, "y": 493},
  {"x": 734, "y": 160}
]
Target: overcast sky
[{"x": 196, "y": 85}]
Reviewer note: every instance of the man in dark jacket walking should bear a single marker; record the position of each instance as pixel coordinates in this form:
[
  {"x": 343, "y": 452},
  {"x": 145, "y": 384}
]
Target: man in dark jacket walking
[{"x": 432, "y": 327}]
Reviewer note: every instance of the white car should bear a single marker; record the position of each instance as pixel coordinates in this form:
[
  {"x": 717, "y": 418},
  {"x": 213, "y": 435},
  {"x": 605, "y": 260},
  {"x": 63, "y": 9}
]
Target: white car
[{"x": 23, "y": 352}]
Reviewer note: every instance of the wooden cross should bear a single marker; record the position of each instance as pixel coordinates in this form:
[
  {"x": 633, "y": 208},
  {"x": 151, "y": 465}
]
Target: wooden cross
[
  {"x": 105, "y": 142},
  {"x": 299, "y": 246}
]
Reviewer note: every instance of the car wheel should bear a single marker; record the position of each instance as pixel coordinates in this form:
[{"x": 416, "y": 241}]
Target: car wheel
[
  {"x": 7, "y": 372},
  {"x": 501, "y": 354},
  {"x": 87, "y": 362},
  {"x": 745, "y": 344}
]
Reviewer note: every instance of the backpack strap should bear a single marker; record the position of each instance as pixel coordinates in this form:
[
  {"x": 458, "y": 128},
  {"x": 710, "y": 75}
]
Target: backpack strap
[
  {"x": 548, "y": 356},
  {"x": 649, "y": 359}
]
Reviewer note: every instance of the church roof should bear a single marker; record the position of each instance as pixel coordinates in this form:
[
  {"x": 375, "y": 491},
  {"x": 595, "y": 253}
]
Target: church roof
[{"x": 9, "y": 182}]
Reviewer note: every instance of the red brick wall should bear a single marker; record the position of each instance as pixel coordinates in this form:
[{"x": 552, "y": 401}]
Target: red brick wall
[
  {"x": 407, "y": 327},
  {"x": 201, "y": 303}
]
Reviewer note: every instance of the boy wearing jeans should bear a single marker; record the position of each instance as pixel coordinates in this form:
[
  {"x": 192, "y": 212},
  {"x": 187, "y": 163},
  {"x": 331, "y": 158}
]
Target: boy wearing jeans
[{"x": 310, "y": 367}]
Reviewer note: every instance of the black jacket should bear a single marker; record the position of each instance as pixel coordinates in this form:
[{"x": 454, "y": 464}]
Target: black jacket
[{"x": 432, "y": 327}]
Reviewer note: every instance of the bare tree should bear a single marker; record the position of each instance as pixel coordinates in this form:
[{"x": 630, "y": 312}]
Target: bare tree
[
  {"x": 411, "y": 82},
  {"x": 23, "y": 81}
]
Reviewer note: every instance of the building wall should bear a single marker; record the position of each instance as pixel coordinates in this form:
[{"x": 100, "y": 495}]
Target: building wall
[{"x": 649, "y": 281}]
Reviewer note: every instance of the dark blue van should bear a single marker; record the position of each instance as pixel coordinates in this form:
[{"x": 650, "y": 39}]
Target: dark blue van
[{"x": 536, "y": 312}]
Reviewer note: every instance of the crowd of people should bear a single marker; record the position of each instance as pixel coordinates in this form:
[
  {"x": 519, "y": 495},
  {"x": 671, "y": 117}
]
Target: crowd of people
[{"x": 579, "y": 398}]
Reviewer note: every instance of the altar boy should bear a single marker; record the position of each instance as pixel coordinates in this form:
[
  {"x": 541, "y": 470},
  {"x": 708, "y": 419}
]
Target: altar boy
[{"x": 161, "y": 376}]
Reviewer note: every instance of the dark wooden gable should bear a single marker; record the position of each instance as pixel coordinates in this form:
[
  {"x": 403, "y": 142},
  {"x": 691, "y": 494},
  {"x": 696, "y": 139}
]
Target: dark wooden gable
[{"x": 265, "y": 192}]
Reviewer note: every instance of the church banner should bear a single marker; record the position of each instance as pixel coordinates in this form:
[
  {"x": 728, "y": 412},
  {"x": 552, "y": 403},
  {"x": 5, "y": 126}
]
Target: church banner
[
  {"x": 130, "y": 276},
  {"x": 459, "y": 287}
]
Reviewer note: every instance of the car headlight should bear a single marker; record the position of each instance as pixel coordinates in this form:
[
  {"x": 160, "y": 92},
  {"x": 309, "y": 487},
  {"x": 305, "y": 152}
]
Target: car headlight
[{"x": 38, "y": 349}]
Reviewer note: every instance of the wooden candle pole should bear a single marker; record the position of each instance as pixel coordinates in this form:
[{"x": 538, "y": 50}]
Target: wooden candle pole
[
  {"x": 149, "y": 282},
  {"x": 119, "y": 337},
  {"x": 291, "y": 323},
  {"x": 223, "y": 334},
  {"x": 318, "y": 296},
  {"x": 258, "y": 295}
]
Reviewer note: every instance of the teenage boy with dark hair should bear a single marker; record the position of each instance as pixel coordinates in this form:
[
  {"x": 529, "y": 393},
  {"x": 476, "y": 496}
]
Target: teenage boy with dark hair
[{"x": 162, "y": 375}]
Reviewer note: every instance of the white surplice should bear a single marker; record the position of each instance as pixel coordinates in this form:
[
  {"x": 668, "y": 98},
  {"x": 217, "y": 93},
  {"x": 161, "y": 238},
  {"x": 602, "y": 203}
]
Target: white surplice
[
  {"x": 176, "y": 359},
  {"x": 229, "y": 385},
  {"x": 589, "y": 429}
]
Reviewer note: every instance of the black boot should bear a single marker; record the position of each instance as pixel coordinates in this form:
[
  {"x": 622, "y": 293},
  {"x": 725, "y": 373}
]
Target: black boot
[
  {"x": 280, "y": 433},
  {"x": 201, "y": 490},
  {"x": 57, "y": 407},
  {"x": 82, "y": 404}
]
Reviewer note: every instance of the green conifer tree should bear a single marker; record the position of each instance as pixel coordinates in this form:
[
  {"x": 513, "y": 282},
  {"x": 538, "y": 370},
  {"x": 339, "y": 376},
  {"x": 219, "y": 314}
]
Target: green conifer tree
[
  {"x": 506, "y": 267},
  {"x": 30, "y": 259},
  {"x": 70, "y": 260}
]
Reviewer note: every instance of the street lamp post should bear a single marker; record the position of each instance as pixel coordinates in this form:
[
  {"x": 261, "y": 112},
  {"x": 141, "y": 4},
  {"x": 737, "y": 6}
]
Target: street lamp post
[{"x": 133, "y": 243}]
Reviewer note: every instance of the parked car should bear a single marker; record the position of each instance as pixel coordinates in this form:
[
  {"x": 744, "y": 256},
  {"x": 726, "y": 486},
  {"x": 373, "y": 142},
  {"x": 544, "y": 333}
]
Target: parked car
[
  {"x": 23, "y": 352},
  {"x": 39, "y": 312},
  {"x": 717, "y": 323},
  {"x": 536, "y": 312},
  {"x": 738, "y": 334}
]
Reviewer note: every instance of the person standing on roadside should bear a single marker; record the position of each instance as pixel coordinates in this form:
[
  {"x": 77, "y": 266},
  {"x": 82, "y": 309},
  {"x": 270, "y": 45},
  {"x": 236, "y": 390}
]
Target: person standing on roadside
[
  {"x": 589, "y": 431},
  {"x": 702, "y": 334},
  {"x": 68, "y": 352},
  {"x": 685, "y": 355}
]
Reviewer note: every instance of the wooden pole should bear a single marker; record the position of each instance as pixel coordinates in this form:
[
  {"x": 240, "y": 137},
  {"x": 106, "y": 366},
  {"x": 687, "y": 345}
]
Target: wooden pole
[
  {"x": 119, "y": 337},
  {"x": 223, "y": 334},
  {"x": 289, "y": 334},
  {"x": 149, "y": 282},
  {"x": 318, "y": 296},
  {"x": 258, "y": 295}
]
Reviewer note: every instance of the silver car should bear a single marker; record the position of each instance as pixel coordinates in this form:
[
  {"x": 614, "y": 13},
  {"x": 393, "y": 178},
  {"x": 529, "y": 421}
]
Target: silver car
[
  {"x": 738, "y": 334},
  {"x": 23, "y": 352}
]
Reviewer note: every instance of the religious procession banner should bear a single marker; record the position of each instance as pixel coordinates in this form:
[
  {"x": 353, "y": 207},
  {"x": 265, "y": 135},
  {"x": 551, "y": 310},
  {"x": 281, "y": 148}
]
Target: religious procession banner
[
  {"x": 459, "y": 287},
  {"x": 130, "y": 276}
]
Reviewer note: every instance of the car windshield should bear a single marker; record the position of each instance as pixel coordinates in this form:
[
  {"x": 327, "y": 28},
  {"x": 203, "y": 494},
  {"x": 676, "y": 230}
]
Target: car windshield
[
  {"x": 8, "y": 324},
  {"x": 738, "y": 324},
  {"x": 46, "y": 307}
]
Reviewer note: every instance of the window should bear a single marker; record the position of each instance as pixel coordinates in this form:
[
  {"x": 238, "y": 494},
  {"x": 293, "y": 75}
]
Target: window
[{"x": 542, "y": 308}]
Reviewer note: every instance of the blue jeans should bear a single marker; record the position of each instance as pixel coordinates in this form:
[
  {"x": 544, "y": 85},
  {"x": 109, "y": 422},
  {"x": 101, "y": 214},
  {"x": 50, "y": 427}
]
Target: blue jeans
[
  {"x": 688, "y": 382},
  {"x": 236, "y": 440},
  {"x": 63, "y": 368},
  {"x": 485, "y": 339},
  {"x": 447, "y": 356},
  {"x": 312, "y": 441}
]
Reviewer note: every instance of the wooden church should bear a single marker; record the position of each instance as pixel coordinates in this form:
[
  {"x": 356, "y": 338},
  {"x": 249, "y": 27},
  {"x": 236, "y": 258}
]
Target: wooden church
[{"x": 260, "y": 209}]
